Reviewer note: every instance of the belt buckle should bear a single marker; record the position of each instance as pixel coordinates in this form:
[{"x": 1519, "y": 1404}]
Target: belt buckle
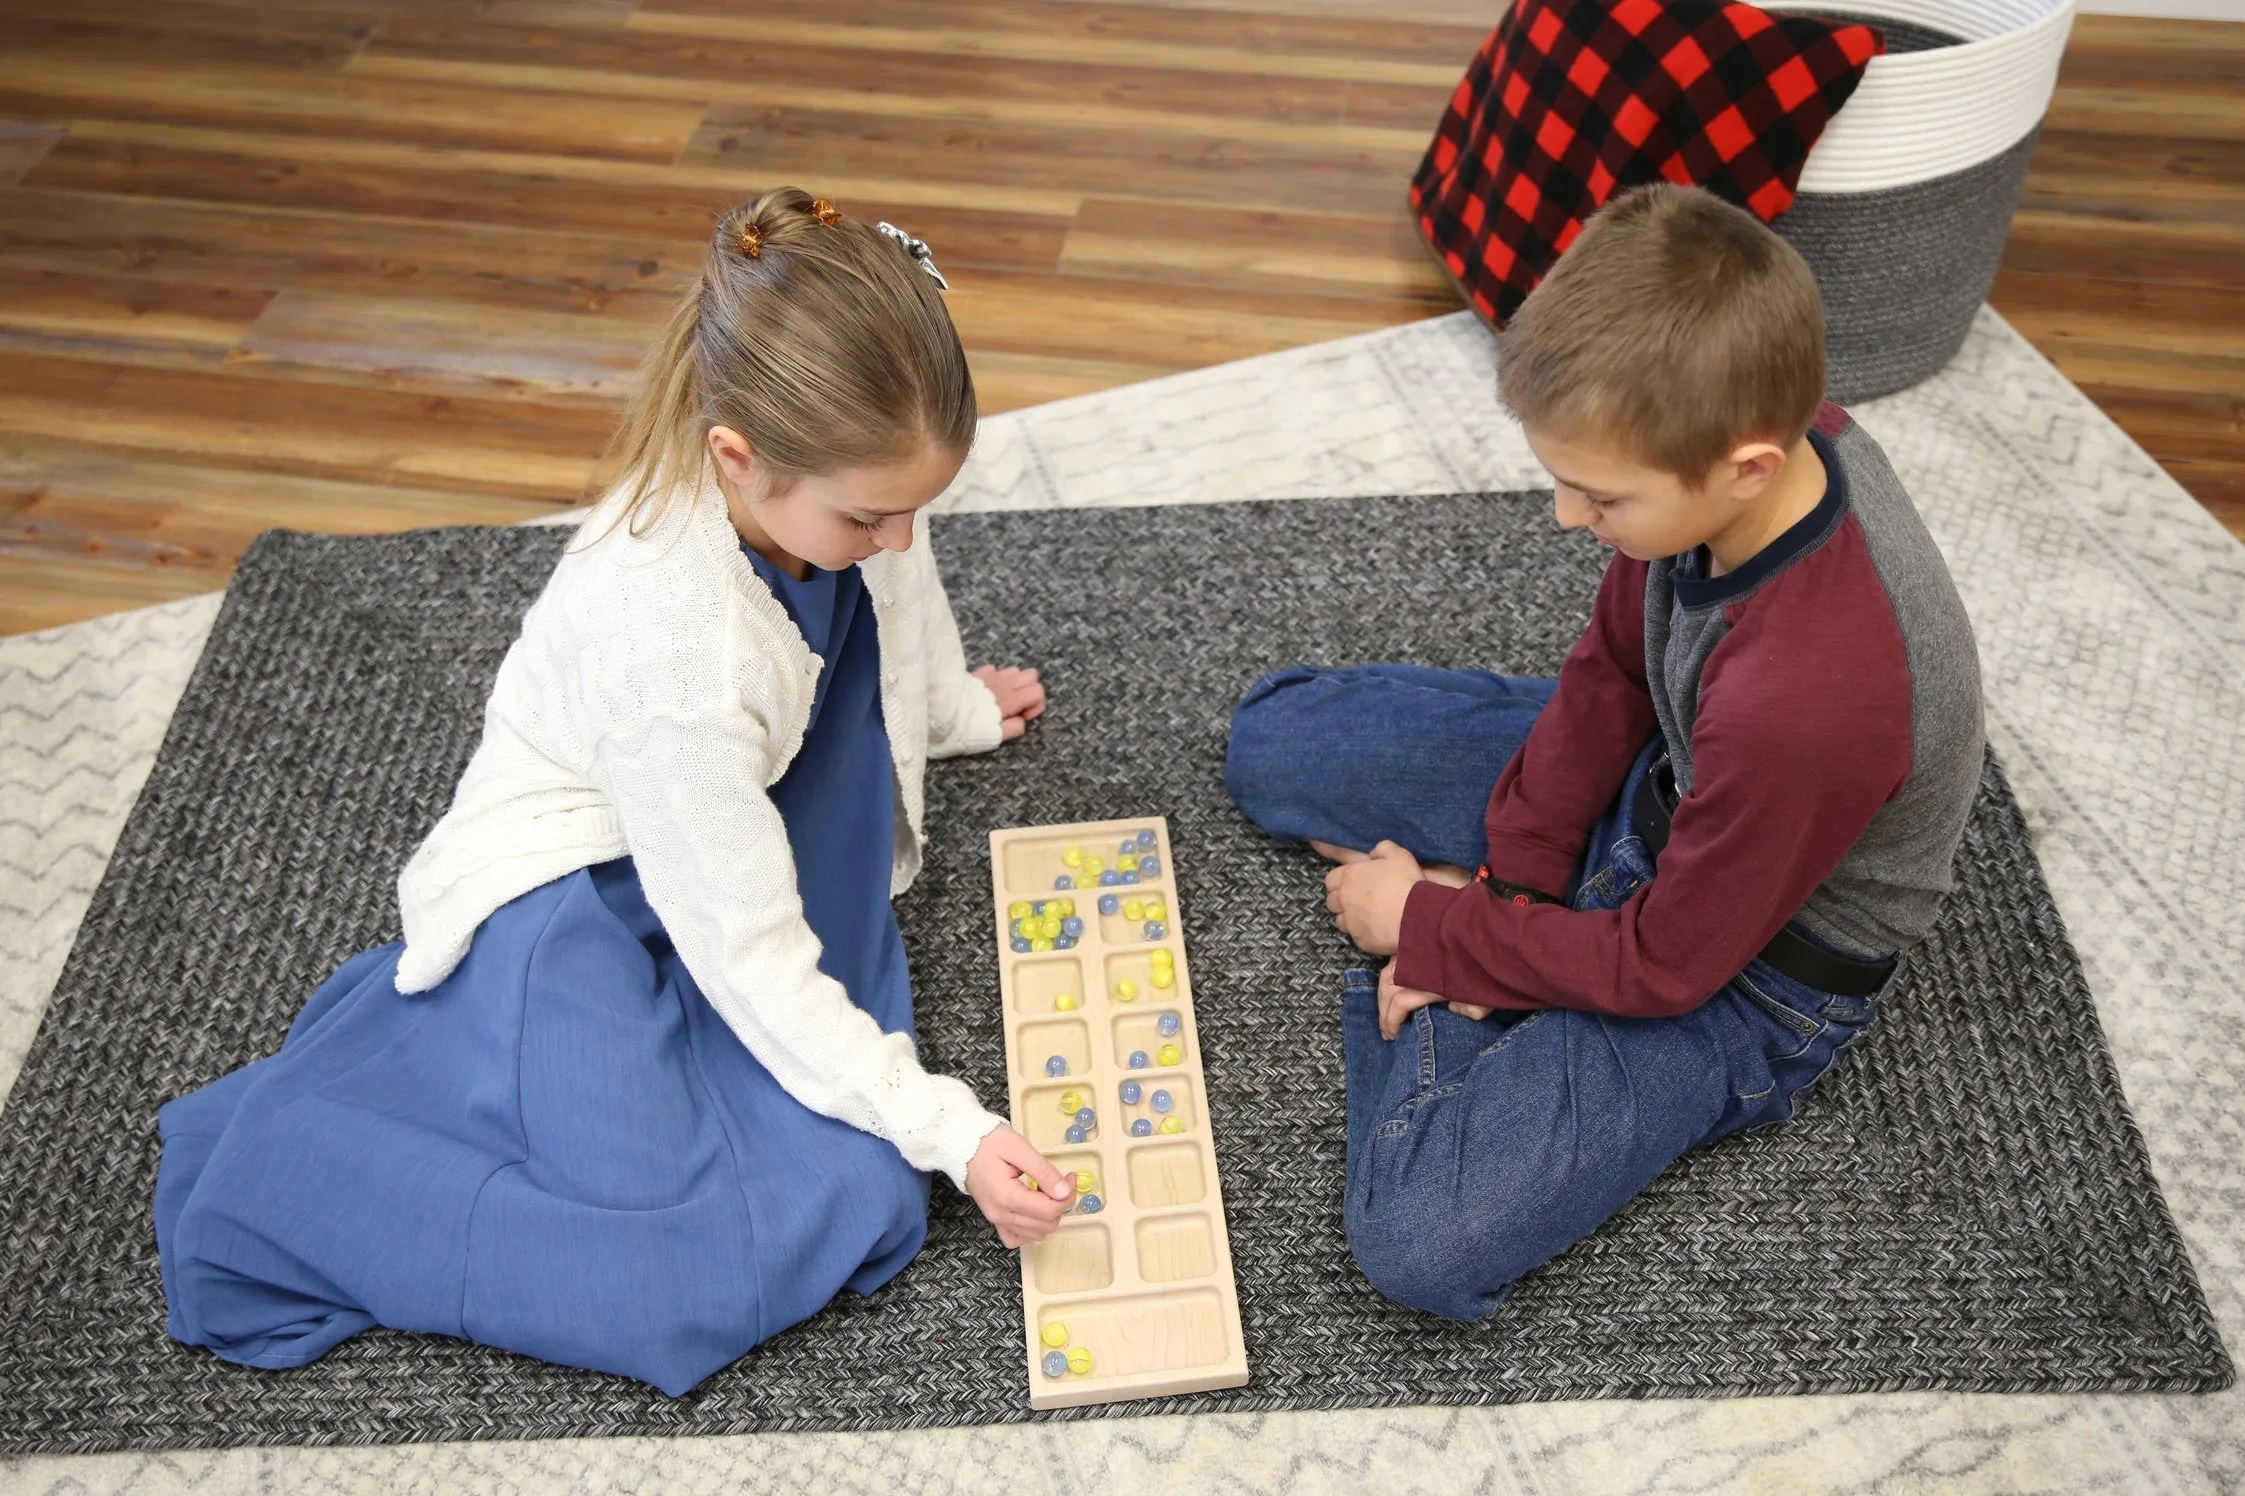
[{"x": 1662, "y": 776}]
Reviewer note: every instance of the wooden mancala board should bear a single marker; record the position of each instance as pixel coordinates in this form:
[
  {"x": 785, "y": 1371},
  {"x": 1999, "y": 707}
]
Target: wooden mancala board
[{"x": 1132, "y": 1296}]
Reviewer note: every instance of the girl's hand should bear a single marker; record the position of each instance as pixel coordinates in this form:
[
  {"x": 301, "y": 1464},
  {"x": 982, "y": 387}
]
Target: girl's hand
[
  {"x": 1021, "y": 696},
  {"x": 1399, "y": 1003},
  {"x": 994, "y": 1178}
]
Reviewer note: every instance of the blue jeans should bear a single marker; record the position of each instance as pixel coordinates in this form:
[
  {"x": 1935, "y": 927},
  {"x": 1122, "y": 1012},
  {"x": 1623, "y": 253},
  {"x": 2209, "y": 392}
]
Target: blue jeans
[{"x": 1478, "y": 1150}]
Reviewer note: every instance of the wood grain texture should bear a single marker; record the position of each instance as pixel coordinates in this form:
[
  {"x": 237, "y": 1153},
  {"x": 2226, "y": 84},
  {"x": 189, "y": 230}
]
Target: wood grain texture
[
  {"x": 114, "y": 528},
  {"x": 2126, "y": 265},
  {"x": 59, "y": 83},
  {"x": 1135, "y": 1289},
  {"x": 225, "y": 415},
  {"x": 364, "y": 264},
  {"x": 22, "y": 144},
  {"x": 159, "y": 239}
]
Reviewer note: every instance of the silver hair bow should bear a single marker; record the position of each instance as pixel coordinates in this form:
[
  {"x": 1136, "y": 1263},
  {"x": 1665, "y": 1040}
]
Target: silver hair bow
[{"x": 918, "y": 249}]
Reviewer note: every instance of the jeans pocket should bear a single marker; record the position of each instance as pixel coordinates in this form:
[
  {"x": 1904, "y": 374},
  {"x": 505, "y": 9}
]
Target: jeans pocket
[
  {"x": 1789, "y": 1036},
  {"x": 1794, "y": 1027},
  {"x": 1513, "y": 1030},
  {"x": 1628, "y": 867},
  {"x": 1848, "y": 1012},
  {"x": 1772, "y": 1033}
]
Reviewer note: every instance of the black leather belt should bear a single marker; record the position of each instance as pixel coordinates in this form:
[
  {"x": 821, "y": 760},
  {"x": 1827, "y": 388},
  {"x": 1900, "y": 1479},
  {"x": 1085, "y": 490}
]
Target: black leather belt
[{"x": 1794, "y": 954}]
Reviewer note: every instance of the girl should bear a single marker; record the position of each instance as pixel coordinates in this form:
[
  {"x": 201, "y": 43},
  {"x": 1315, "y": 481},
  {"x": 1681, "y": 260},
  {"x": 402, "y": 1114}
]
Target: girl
[{"x": 638, "y": 1088}]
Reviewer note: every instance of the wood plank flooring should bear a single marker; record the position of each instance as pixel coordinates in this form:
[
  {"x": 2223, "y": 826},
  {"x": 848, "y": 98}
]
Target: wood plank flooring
[
  {"x": 360, "y": 265},
  {"x": 2126, "y": 264}
]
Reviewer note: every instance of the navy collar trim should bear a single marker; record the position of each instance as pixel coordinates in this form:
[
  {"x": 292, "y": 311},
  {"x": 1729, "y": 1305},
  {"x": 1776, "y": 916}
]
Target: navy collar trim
[{"x": 1805, "y": 535}]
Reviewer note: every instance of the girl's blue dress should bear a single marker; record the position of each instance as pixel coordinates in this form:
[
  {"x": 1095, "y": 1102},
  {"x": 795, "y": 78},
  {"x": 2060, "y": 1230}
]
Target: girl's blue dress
[{"x": 562, "y": 1150}]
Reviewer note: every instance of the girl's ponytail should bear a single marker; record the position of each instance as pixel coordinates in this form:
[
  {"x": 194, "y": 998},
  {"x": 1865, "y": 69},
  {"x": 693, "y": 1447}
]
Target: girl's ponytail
[
  {"x": 815, "y": 335},
  {"x": 659, "y": 435}
]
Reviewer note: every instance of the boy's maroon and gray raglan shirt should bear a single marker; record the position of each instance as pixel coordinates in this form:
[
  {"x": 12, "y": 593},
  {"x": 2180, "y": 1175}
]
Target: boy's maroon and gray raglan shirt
[{"x": 1821, "y": 705}]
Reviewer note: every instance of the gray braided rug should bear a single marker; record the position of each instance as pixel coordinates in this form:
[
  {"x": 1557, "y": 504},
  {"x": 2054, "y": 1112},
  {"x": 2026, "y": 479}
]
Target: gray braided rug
[{"x": 1965, "y": 1203}]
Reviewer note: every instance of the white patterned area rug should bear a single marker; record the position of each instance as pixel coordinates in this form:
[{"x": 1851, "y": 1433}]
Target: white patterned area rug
[{"x": 2111, "y": 614}]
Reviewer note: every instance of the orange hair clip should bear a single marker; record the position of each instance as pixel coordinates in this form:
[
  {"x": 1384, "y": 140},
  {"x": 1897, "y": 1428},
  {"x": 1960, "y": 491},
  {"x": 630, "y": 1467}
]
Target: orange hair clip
[
  {"x": 752, "y": 242},
  {"x": 825, "y": 212}
]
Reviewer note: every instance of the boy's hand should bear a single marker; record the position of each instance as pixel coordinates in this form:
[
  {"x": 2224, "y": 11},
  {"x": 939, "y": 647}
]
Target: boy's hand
[
  {"x": 1434, "y": 872},
  {"x": 1399, "y": 1003},
  {"x": 995, "y": 1180},
  {"x": 1367, "y": 892},
  {"x": 1021, "y": 696}
]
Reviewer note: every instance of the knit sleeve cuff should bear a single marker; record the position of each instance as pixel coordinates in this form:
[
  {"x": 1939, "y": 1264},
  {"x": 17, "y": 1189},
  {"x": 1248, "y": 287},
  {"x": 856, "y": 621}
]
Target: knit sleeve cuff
[
  {"x": 975, "y": 725},
  {"x": 957, "y": 1137}
]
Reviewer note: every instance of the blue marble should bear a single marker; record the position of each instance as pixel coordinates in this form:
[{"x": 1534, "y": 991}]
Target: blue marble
[
  {"x": 1056, "y": 1363},
  {"x": 1110, "y": 903},
  {"x": 1155, "y": 929},
  {"x": 1071, "y": 927},
  {"x": 1057, "y": 1065},
  {"x": 1078, "y": 1135},
  {"x": 1086, "y": 1118},
  {"x": 1129, "y": 875},
  {"x": 1020, "y": 946},
  {"x": 1091, "y": 1205},
  {"x": 1138, "y": 1060},
  {"x": 1145, "y": 841},
  {"x": 1141, "y": 1128},
  {"x": 1131, "y": 1091},
  {"x": 1063, "y": 881},
  {"x": 1150, "y": 866},
  {"x": 1169, "y": 1024},
  {"x": 1163, "y": 1101},
  {"x": 1110, "y": 878}
]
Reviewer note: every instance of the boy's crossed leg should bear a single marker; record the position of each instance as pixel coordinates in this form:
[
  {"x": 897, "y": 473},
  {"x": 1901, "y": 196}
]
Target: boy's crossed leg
[
  {"x": 1367, "y": 753},
  {"x": 1478, "y": 1149}
]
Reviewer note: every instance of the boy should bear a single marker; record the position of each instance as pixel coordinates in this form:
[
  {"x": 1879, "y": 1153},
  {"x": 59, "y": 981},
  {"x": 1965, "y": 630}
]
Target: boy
[{"x": 1775, "y": 707}]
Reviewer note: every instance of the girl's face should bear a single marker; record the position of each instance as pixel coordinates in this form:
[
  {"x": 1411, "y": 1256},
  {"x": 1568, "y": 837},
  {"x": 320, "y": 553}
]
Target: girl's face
[{"x": 831, "y": 520}]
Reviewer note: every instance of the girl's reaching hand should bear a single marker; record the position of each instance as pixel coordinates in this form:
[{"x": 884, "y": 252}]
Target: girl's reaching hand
[
  {"x": 1021, "y": 696},
  {"x": 995, "y": 1179}
]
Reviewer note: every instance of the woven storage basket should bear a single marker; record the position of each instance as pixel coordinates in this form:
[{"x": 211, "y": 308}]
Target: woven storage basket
[{"x": 1906, "y": 198}]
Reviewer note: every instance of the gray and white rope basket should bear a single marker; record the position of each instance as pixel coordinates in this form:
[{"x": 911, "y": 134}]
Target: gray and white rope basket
[{"x": 1906, "y": 198}]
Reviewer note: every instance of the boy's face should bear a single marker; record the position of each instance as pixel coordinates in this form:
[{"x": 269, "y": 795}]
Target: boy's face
[{"x": 1642, "y": 512}]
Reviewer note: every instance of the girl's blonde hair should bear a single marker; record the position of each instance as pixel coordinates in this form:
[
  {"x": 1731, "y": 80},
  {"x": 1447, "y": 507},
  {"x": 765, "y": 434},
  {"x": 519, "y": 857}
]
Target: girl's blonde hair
[{"x": 815, "y": 336}]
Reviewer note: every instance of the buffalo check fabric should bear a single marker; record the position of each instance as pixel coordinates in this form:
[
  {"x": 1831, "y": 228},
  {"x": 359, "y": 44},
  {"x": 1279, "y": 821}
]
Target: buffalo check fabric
[{"x": 1571, "y": 101}]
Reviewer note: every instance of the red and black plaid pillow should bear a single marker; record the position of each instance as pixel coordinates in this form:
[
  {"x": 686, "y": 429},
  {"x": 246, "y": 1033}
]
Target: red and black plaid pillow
[{"x": 1573, "y": 100}]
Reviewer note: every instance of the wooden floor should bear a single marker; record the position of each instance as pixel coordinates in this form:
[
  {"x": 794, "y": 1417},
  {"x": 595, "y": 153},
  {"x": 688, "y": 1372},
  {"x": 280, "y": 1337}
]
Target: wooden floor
[{"x": 357, "y": 265}]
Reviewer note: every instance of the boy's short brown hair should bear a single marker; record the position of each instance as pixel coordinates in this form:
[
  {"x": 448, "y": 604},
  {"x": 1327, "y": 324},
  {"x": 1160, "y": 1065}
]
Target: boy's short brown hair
[{"x": 1674, "y": 328}]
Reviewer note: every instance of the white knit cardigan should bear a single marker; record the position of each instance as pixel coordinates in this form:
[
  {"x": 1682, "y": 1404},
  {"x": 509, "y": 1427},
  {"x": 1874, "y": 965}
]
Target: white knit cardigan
[{"x": 656, "y": 693}]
